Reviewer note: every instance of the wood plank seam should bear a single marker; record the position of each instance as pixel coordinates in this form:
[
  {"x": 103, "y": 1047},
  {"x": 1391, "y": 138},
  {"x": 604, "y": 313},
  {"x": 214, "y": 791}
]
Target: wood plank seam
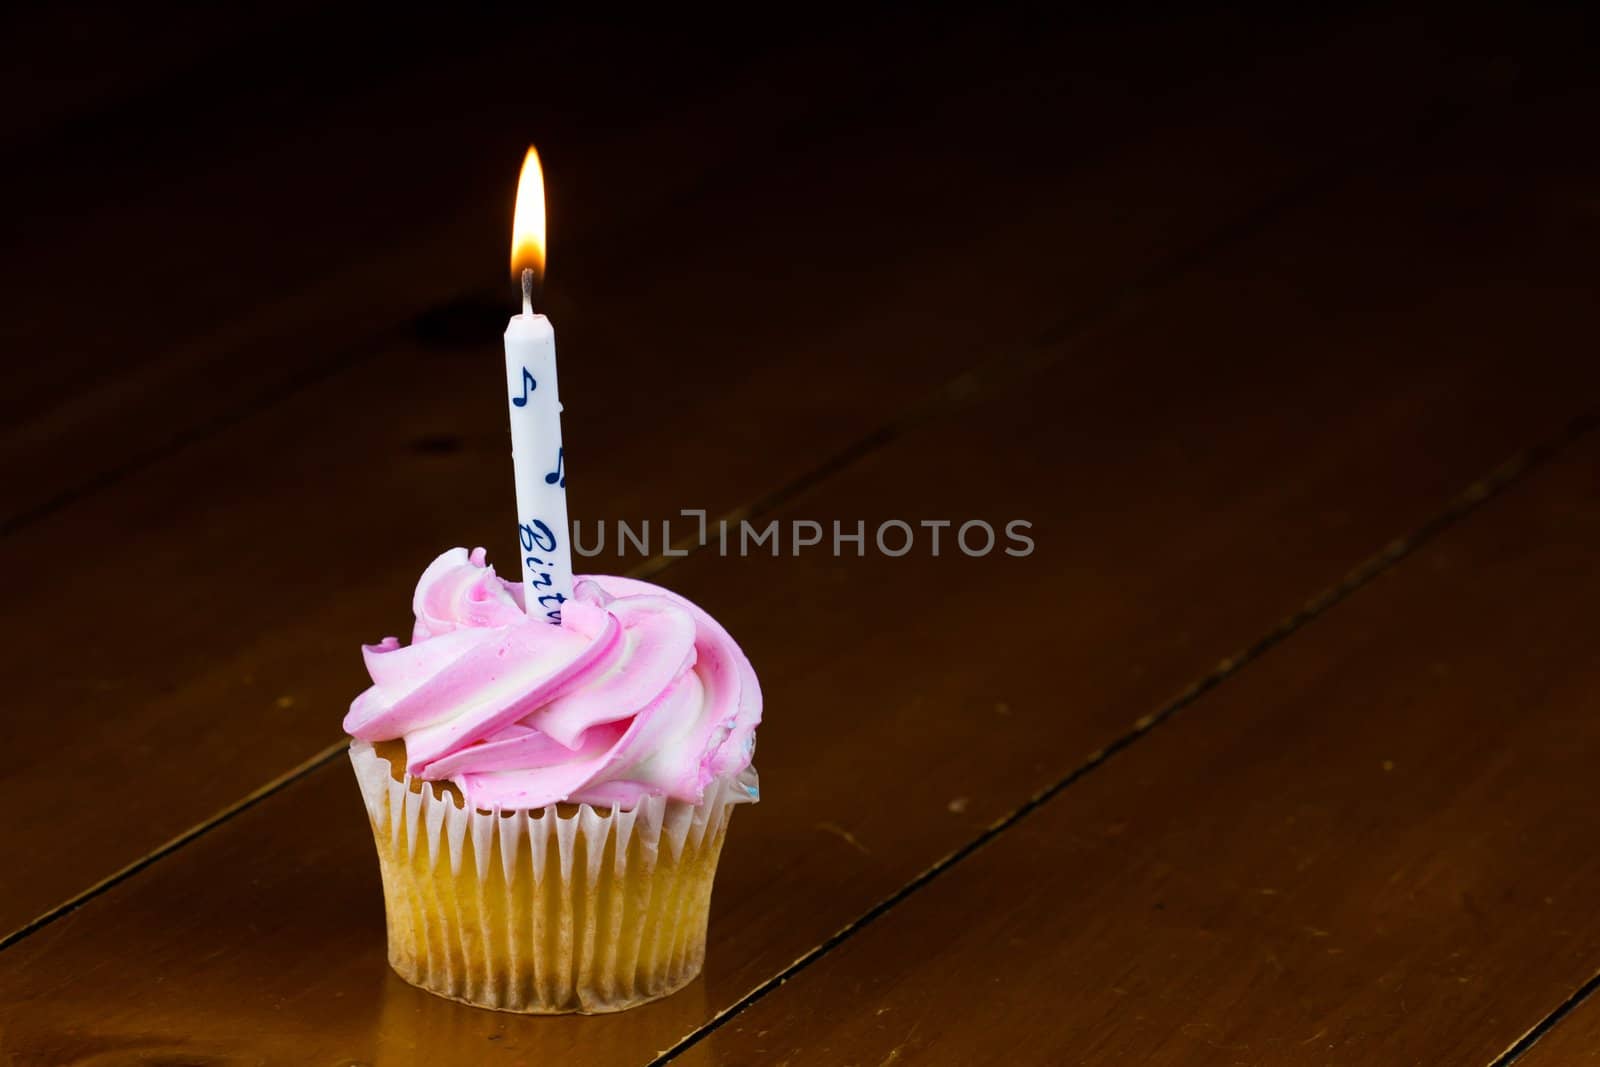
[
  {"x": 1525, "y": 1043},
  {"x": 1047, "y": 349},
  {"x": 1124, "y": 300},
  {"x": 277, "y": 785},
  {"x": 200, "y": 431},
  {"x": 654, "y": 565},
  {"x": 1460, "y": 507},
  {"x": 1058, "y": 341},
  {"x": 337, "y": 362}
]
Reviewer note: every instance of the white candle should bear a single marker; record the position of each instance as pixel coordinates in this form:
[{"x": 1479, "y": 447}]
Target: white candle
[{"x": 534, "y": 404}]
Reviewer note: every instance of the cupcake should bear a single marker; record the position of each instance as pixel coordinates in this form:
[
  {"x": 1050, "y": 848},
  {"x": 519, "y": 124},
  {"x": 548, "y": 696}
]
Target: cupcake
[{"x": 549, "y": 801}]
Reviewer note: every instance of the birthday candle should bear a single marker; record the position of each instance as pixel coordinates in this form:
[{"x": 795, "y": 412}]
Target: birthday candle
[{"x": 535, "y": 406}]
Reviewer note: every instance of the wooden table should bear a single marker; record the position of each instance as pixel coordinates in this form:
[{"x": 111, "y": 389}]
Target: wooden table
[{"x": 1276, "y": 749}]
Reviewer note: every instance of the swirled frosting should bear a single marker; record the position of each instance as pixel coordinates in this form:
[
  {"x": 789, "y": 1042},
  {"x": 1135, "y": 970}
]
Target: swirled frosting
[{"x": 637, "y": 692}]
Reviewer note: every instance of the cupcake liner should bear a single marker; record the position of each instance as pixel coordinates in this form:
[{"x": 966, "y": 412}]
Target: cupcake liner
[{"x": 562, "y": 909}]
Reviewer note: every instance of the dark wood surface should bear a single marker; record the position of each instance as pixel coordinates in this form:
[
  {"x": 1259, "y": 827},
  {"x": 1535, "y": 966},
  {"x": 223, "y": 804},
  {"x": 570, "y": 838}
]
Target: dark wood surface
[
  {"x": 348, "y": 448},
  {"x": 1354, "y": 888},
  {"x": 1228, "y": 326},
  {"x": 1570, "y": 1039}
]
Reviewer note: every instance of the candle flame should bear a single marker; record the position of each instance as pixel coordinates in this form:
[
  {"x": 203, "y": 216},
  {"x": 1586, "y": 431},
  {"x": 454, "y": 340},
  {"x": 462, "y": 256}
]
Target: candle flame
[{"x": 527, "y": 223}]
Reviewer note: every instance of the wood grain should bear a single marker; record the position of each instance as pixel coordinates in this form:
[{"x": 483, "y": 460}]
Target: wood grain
[
  {"x": 204, "y": 704},
  {"x": 283, "y": 223},
  {"x": 277, "y": 239},
  {"x": 1363, "y": 849},
  {"x": 1190, "y": 485}
]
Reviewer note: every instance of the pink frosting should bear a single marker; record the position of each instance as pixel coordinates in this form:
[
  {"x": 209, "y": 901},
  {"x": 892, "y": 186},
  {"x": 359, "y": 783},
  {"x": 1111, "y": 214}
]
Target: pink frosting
[{"x": 637, "y": 692}]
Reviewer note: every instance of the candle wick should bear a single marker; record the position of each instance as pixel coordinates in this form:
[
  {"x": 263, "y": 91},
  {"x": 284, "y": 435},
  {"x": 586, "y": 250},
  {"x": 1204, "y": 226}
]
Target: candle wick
[{"x": 527, "y": 291}]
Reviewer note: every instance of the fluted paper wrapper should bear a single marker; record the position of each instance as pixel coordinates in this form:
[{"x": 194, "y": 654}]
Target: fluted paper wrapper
[{"x": 555, "y": 910}]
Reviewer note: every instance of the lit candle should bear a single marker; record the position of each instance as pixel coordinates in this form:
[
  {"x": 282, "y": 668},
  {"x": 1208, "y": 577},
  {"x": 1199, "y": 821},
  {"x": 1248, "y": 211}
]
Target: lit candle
[{"x": 535, "y": 406}]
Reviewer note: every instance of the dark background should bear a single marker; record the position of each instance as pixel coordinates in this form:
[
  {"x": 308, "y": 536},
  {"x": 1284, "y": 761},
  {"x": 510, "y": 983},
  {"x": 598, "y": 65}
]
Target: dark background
[{"x": 1277, "y": 327}]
